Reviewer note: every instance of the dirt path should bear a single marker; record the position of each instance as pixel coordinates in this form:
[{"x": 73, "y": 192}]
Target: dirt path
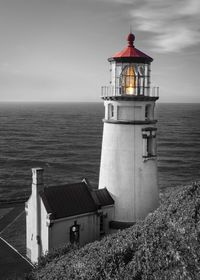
[
  {"x": 10, "y": 216},
  {"x": 12, "y": 264}
]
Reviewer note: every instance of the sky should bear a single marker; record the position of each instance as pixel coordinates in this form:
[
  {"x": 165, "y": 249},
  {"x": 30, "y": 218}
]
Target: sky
[{"x": 57, "y": 50}]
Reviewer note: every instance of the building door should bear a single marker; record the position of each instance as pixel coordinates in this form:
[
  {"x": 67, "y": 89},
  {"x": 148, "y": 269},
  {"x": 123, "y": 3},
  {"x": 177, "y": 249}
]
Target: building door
[
  {"x": 74, "y": 233},
  {"x": 102, "y": 225}
]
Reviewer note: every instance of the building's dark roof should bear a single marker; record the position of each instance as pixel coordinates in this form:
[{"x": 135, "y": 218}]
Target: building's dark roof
[
  {"x": 73, "y": 199},
  {"x": 68, "y": 200},
  {"x": 102, "y": 197}
]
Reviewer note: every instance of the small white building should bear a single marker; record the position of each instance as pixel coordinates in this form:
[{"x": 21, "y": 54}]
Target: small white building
[{"x": 68, "y": 213}]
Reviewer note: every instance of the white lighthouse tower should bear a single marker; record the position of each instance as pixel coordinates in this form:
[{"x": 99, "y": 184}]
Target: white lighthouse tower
[{"x": 128, "y": 166}]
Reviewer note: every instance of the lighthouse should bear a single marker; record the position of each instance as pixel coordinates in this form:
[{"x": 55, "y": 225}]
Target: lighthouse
[{"x": 128, "y": 167}]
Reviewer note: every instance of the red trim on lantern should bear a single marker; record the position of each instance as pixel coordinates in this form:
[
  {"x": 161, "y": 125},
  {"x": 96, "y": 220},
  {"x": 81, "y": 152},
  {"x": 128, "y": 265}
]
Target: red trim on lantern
[{"x": 131, "y": 51}]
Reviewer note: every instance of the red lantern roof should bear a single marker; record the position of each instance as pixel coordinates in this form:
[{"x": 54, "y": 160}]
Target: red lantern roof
[{"x": 130, "y": 53}]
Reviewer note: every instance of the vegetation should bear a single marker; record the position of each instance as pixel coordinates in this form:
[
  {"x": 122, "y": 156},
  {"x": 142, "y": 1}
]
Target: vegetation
[
  {"x": 55, "y": 253},
  {"x": 166, "y": 245}
]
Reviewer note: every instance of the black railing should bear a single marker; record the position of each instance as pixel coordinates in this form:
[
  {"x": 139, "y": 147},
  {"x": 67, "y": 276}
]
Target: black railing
[{"x": 109, "y": 91}]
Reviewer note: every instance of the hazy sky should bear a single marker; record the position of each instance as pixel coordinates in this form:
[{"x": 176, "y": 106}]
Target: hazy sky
[{"x": 57, "y": 50}]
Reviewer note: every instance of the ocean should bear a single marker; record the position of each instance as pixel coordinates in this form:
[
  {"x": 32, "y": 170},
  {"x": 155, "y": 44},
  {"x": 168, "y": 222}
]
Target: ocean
[{"x": 65, "y": 139}]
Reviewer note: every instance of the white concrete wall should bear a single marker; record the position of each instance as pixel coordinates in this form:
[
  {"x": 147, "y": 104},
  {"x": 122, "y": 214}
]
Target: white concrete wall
[
  {"x": 131, "y": 180},
  {"x": 29, "y": 219},
  {"x": 44, "y": 235},
  {"x": 89, "y": 230},
  {"x": 59, "y": 232},
  {"x": 35, "y": 250},
  {"x": 36, "y": 219},
  {"x": 129, "y": 110},
  {"x": 32, "y": 246}
]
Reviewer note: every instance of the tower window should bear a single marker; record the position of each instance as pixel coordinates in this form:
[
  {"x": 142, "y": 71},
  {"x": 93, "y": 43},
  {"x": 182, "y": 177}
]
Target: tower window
[
  {"x": 149, "y": 143},
  {"x": 149, "y": 146},
  {"x": 147, "y": 112},
  {"x": 111, "y": 111}
]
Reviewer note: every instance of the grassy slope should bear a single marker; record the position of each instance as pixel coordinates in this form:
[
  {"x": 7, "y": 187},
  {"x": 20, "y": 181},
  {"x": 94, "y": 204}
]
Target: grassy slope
[{"x": 166, "y": 245}]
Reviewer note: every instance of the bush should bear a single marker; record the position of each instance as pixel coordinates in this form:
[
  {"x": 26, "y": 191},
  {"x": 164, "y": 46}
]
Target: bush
[
  {"x": 55, "y": 253},
  {"x": 166, "y": 245},
  {"x": 51, "y": 256}
]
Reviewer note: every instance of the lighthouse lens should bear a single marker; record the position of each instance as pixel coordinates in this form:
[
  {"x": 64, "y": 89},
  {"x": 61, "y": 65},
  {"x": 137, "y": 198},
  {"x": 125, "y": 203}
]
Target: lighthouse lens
[{"x": 128, "y": 80}]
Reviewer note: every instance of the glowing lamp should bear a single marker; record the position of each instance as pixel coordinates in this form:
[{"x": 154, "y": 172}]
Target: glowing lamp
[
  {"x": 129, "y": 91},
  {"x": 128, "y": 80}
]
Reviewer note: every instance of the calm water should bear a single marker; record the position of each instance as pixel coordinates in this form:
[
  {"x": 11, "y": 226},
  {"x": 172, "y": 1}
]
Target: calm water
[{"x": 65, "y": 139}]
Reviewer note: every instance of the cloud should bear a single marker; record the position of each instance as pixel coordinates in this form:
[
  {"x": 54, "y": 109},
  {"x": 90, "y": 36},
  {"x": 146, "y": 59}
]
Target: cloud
[
  {"x": 190, "y": 8},
  {"x": 120, "y": 1},
  {"x": 176, "y": 40},
  {"x": 174, "y": 24}
]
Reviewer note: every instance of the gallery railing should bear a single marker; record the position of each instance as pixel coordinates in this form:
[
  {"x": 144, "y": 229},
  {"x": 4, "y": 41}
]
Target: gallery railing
[{"x": 109, "y": 91}]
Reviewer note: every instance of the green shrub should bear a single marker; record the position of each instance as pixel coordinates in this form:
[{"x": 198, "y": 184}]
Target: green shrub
[
  {"x": 49, "y": 257},
  {"x": 166, "y": 245},
  {"x": 55, "y": 253}
]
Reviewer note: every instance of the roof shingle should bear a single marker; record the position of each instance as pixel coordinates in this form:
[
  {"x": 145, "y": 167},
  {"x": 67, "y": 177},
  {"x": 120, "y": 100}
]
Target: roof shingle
[
  {"x": 102, "y": 197},
  {"x": 68, "y": 200},
  {"x": 74, "y": 199}
]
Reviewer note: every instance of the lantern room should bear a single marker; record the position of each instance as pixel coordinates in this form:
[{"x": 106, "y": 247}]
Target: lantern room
[{"x": 130, "y": 73}]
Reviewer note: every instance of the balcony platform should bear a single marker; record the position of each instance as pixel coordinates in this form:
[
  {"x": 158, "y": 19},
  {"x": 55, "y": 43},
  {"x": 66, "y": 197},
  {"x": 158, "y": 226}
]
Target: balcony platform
[{"x": 141, "y": 94}]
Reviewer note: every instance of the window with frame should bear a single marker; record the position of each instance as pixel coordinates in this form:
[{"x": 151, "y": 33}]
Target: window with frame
[
  {"x": 128, "y": 80},
  {"x": 134, "y": 79},
  {"x": 111, "y": 111},
  {"x": 74, "y": 233},
  {"x": 149, "y": 143},
  {"x": 147, "y": 112}
]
